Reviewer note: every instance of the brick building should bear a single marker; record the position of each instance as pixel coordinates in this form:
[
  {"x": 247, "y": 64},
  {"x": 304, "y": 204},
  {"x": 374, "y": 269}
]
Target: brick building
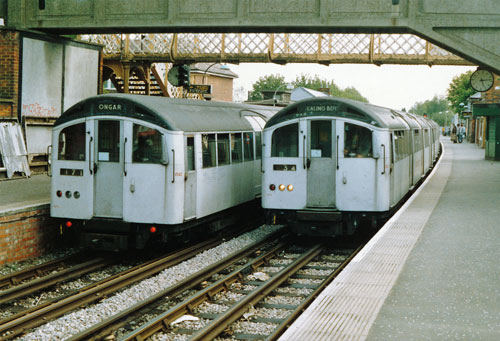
[
  {"x": 220, "y": 77},
  {"x": 486, "y": 112}
]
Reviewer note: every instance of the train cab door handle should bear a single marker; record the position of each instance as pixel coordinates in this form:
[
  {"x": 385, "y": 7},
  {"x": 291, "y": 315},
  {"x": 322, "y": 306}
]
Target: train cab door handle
[
  {"x": 90, "y": 155},
  {"x": 95, "y": 168},
  {"x": 124, "y": 153},
  {"x": 173, "y": 166},
  {"x": 304, "y": 156},
  {"x": 308, "y": 163},
  {"x": 337, "y": 152},
  {"x": 49, "y": 161},
  {"x": 384, "y": 158}
]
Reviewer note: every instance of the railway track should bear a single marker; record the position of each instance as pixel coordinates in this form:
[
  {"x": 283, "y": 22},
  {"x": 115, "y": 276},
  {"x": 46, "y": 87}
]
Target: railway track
[
  {"x": 20, "y": 323},
  {"x": 38, "y": 271},
  {"x": 244, "y": 282}
]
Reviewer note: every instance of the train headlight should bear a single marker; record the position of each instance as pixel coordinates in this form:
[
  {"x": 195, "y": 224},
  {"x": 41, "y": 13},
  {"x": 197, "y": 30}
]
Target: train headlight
[
  {"x": 289, "y": 187},
  {"x": 76, "y": 195},
  {"x": 272, "y": 187},
  {"x": 281, "y": 187},
  {"x": 68, "y": 194},
  {"x": 59, "y": 193}
]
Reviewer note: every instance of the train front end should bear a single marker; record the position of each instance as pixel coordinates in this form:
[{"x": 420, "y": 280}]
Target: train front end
[
  {"x": 109, "y": 174},
  {"x": 322, "y": 166}
]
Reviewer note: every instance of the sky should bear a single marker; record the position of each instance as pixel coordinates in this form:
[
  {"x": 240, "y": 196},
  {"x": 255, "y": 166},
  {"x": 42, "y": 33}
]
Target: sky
[{"x": 391, "y": 86}]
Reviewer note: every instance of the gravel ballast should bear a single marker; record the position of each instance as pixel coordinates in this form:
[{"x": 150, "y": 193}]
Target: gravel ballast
[{"x": 80, "y": 320}]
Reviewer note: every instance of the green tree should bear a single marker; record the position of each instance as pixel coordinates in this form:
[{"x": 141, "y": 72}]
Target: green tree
[
  {"x": 277, "y": 81},
  {"x": 459, "y": 91},
  {"x": 318, "y": 84},
  {"x": 271, "y": 82},
  {"x": 437, "y": 109}
]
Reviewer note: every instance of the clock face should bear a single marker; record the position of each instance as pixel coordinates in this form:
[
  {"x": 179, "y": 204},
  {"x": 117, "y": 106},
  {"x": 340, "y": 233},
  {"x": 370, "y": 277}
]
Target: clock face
[{"x": 481, "y": 80}]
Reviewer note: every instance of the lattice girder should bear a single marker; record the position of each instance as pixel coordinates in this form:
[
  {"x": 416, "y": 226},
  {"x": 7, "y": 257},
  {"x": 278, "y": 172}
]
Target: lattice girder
[{"x": 278, "y": 48}]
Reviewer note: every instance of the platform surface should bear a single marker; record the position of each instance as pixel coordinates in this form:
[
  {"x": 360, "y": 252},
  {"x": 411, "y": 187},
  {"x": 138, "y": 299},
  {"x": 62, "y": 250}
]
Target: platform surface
[
  {"x": 431, "y": 273},
  {"x": 18, "y": 193}
]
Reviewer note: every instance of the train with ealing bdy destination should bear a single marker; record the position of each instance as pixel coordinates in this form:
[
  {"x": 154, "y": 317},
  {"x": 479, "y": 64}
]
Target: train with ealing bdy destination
[
  {"x": 130, "y": 169},
  {"x": 332, "y": 165}
]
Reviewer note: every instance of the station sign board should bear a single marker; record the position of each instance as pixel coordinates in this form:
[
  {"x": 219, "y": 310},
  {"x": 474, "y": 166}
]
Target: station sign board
[{"x": 203, "y": 89}]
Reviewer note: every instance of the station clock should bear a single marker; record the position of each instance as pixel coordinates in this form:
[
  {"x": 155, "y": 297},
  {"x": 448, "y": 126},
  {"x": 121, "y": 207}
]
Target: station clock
[{"x": 482, "y": 80}]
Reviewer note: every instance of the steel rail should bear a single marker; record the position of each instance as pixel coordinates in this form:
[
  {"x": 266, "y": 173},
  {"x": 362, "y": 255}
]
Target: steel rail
[
  {"x": 309, "y": 299},
  {"x": 49, "y": 280},
  {"x": 233, "y": 313},
  {"x": 36, "y": 318},
  {"x": 165, "y": 319},
  {"x": 105, "y": 328},
  {"x": 39, "y": 270}
]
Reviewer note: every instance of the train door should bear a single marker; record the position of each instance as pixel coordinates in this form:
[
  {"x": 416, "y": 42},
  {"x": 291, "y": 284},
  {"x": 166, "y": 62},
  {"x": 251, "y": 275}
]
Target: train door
[
  {"x": 394, "y": 187},
  {"x": 108, "y": 163},
  {"x": 190, "y": 179},
  {"x": 321, "y": 163}
]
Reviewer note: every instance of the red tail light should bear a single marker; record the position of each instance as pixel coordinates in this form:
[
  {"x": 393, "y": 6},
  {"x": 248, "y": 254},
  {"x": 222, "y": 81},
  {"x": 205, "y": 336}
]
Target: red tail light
[
  {"x": 69, "y": 224},
  {"x": 152, "y": 229},
  {"x": 59, "y": 193},
  {"x": 272, "y": 187}
]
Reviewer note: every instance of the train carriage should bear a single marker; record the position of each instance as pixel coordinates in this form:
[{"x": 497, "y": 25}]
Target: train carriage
[
  {"x": 330, "y": 163},
  {"x": 127, "y": 166}
]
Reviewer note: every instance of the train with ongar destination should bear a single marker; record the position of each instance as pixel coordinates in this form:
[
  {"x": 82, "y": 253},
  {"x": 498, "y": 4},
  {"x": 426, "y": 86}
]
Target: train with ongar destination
[
  {"x": 332, "y": 165},
  {"x": 131, "y": 169}
]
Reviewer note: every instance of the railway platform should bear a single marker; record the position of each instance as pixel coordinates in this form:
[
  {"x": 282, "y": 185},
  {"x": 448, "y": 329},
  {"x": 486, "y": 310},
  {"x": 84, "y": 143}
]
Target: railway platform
[
  {"x": 431, "y": 272},
  {"x": 18, "y": 193}
]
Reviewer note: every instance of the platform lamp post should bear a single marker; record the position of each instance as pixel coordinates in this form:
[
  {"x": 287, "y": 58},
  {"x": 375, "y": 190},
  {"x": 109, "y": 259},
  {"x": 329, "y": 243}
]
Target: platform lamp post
[{"x": 289, "y": 86}]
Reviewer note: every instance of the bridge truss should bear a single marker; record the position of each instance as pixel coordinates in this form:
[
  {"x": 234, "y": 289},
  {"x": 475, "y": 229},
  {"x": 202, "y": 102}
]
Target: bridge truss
[{"x": 275, "y": 48}]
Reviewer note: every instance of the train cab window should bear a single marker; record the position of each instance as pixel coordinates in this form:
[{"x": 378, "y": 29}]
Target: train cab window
[
  {"x": 147, "y": 145},
  {"x": 222, "y": 149},
  {"x": 190, "y": 153},
  {"x": 71, "y": 145},
  {"x": 236, "y": 148},
  {"x": 321, "y": 138},
  {"x": 285, "y": 141},
  {"x": 357, "y": 141},
  {"x": 258, "y": 145},
  {"x": 247, "y": 146},
  {"x": 108, "y": 142},
  {"x": 208, "y": 145}
]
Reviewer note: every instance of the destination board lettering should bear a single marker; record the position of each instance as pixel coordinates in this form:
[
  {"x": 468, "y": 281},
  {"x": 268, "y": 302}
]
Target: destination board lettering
[
  {"x": 110, "y": 107},
  {"x": 321, "y": 108}
]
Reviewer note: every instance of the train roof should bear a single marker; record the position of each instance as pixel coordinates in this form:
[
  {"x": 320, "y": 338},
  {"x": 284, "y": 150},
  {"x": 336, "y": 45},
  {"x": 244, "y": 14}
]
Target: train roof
[
  {"x": 340, "y": 107},
  {"x": 170, "y": 113}
]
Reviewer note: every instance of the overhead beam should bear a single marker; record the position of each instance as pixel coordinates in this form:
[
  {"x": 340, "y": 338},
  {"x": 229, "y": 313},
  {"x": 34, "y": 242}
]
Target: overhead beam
[{"x": 470, "y": 29}]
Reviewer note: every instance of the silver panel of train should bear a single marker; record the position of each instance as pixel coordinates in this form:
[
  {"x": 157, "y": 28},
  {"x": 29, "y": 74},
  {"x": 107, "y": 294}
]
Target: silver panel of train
[
  {"x": 127, "y": 167},
  {"x": 330, "y": 163}
]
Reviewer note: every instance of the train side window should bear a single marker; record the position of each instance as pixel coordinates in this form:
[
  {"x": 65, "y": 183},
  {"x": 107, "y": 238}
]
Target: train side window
[
  {"x": 208, "y": 145},
  {"x": 236, "y": 148},
  {"x": 285, "y": 141},
  {"x": 418, "y": 141},
  {"x": 222, "y": 149},
  {"x": 426, "y": 138},
  {"x": 190, "y": 153},
  {"x": 71, "y": 145},
  {"x": 357, "y": 141},
  {"x": 147, "y": 146},
  {"x": 258, "y": 145},
  {"x": 248, "y": 146}
]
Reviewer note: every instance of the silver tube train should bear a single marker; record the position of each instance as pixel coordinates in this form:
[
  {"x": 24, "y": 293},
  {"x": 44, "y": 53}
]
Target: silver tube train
[
  {"x": 129, "y": 168},
  {"x": 330, "y": 163}
]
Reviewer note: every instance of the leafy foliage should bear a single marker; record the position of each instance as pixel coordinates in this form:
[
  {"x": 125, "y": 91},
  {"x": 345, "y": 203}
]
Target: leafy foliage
[
  {"x": 436, "y": 109},
  {"x": 459, "y": 90},
  {"x": 273, "y": 82}
]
